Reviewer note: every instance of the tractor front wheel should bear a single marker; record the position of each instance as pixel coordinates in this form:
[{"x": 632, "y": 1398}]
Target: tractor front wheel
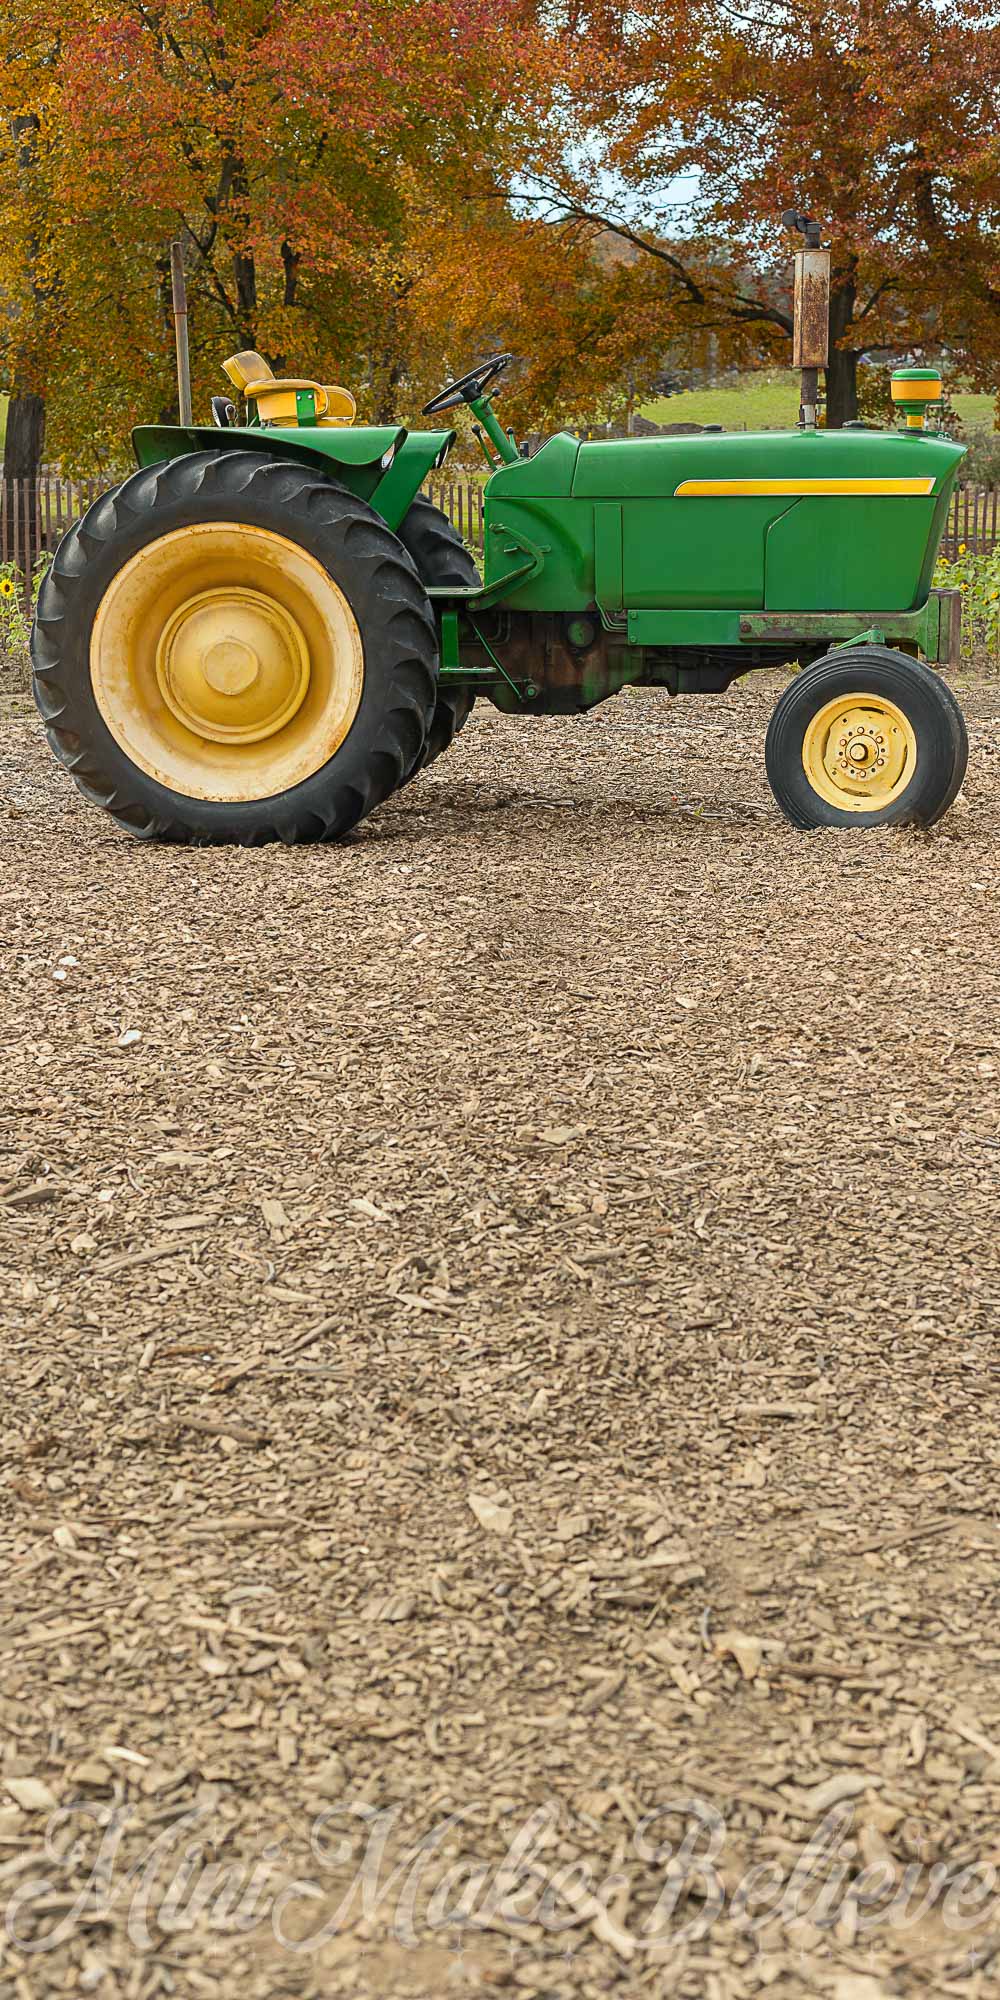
[
  {"x": 231, "y": 648},
  {"x": 867, "y": 737}
]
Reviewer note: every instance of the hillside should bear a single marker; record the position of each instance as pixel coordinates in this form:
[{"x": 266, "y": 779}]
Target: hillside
[{"x": 766, "y": 402}]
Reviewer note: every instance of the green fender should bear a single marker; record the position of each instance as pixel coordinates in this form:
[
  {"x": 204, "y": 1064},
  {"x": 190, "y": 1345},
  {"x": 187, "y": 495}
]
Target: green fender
[{"x": 382, "y": 463}]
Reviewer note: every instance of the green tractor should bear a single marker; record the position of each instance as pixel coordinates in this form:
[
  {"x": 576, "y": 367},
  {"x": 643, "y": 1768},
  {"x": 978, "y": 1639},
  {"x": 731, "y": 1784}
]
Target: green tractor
[{"x": 268, "y": 628}]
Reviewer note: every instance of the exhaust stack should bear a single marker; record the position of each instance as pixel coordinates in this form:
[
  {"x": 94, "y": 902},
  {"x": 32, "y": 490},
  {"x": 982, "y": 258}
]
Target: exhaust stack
[{"x": 811, "y": 329}]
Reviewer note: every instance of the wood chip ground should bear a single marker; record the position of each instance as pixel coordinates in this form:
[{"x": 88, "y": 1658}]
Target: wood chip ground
[{"x": 501, "y": 1315}]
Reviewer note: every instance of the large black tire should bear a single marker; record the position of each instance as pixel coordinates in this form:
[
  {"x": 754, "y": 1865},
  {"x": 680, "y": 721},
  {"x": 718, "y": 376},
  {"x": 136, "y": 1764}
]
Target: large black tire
[
  {"x": 927, "y": 784},
  {"x": 347, "y": 540},
  {"x": 440, "y": 557}
]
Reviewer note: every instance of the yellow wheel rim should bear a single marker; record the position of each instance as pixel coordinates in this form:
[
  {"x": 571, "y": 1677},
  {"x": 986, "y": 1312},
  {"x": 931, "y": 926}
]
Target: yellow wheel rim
[
  {"x": 226, "y": 662},
  {"x": 859, "y": 752}
]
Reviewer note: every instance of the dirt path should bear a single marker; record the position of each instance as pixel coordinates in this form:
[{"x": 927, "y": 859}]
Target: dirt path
[{"x": 499, "y": 1317}]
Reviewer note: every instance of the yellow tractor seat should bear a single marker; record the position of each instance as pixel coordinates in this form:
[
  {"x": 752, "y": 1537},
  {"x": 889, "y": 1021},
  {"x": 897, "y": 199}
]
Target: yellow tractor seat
[
  {"x": 288, "y": 400},
  {"x": 246, "y": 367},
  {"x": 292, "y": 400},
  {"x": 341, "y": 407}
]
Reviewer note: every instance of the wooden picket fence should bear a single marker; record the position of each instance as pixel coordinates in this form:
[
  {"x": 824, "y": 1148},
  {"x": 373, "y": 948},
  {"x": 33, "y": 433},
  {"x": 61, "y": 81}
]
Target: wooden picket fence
[
  {"x": 462, "y": 501},
  {"x": 34, "y": 518},
  {"x": 972, "y": 519}
]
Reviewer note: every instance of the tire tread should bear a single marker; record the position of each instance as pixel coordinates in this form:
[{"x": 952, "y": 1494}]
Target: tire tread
[
  {"x": 440, "y": 557},
  {"x": 896, "y": 675},
  {"x": 326, "y": 515}
]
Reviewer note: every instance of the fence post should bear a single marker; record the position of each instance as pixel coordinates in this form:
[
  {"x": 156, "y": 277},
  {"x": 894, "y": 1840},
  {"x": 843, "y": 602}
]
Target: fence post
[{"x": 29, "y": 495}]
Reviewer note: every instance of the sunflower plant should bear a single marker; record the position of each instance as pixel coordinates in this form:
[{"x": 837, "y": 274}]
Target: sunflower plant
[
  {"x": 977, "y": 575},
  {"x": 15, "y": 616}
]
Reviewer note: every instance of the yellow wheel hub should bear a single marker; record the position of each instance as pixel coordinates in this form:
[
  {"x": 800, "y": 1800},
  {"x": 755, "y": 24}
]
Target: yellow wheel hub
[
  {"x": 226, "y": 662},
  {"x": 859, "y": 752},
  {"x": 232, "y": 665}
]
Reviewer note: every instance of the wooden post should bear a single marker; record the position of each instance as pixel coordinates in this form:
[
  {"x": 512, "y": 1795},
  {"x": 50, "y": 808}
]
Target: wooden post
[{"x": 179, "y": 293}]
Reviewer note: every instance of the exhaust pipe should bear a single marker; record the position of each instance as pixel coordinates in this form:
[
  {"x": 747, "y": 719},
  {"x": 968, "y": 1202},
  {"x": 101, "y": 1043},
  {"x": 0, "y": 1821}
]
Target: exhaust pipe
[{"x": 811, "y": 325}]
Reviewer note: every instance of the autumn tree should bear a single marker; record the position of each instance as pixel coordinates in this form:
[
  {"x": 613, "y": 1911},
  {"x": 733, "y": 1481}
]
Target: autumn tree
[
  {"x": 376, "y": 190},
  {"x": 306, "y": 153},
  {"x": 25, "y": 208},
  {"x": 25, "y": 435},
  {"x": 701, "y": 122}
]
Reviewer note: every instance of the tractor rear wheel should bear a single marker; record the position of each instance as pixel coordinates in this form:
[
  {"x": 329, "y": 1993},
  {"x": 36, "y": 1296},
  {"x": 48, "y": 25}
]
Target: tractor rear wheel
[
  {"x": 867, "y": 737},
  {"x": 231, "y": 648},
  {"x": 440, "y": 557}
]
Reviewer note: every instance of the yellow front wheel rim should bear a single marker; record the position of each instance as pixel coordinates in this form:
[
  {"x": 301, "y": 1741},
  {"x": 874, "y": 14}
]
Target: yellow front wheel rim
[
  {"x": 859, "y": 752},
  {"x": 226, "y": 662}
]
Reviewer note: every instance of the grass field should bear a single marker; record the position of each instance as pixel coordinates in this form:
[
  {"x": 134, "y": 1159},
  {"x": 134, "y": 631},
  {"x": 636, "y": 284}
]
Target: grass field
[{"x": 763, "y": 402}]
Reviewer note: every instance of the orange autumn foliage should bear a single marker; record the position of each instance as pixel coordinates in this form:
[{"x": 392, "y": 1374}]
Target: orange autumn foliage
[
  {"x": 378, "y": 191},
  {"x": 705, "y": 120},
  {"x": 304, "y": 152}
]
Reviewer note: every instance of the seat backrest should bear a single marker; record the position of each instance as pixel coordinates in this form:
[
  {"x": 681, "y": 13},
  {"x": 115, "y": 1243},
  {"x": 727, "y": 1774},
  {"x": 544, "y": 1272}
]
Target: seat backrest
[
  {"x": 278, "y": 399},
  {"x": 247, "y": 367}
]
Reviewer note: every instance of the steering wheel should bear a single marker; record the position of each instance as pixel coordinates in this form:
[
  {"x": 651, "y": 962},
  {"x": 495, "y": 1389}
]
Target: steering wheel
[{"x": 469, "y": 386}]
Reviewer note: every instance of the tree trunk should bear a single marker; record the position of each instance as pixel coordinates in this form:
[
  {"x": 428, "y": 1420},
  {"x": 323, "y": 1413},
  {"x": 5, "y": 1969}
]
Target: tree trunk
[
  {"x": 245, "y": 274},
  {"x": 387, "y": 398},
  {"x": 290, "y": 259},
  {"x": 842, "y": 367},
  {"x": 841, "y": 388},
  {"x": 25, "y": 441},
  {"x": 168, "y": 411},
  {"x": 22, "y": 460}
]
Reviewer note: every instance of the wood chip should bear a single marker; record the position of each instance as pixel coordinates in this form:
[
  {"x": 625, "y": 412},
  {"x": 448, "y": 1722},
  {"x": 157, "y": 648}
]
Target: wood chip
[
  {"x": 31, "y": 1794},
  {"x": 495, "y": 1519},
  {"x": 496, "y": 1386},
  {"x": 747, "y": 1651}
]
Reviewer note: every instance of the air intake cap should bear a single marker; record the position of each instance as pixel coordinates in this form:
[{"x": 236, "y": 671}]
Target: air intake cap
[{"x": 912, "y": 390}]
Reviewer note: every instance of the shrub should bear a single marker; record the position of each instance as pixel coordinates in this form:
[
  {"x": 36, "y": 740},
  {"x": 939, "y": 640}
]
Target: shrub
[
  {"x": 874, "y": 395},
  {"x": 981, "y": 465},
  {"x": 15, "y": 627},
  {"x": 977, "y": 576}
]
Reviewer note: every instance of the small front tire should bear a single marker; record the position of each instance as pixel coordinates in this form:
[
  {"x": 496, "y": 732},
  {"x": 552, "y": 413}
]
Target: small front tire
[{"x": 866, "y": 737}]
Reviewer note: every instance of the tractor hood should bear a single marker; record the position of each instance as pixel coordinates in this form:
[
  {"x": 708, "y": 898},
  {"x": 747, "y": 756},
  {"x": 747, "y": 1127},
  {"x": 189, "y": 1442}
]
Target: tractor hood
[
  {"x": 784, "y": 520},
  {"x": 748, "y": 464},
  {"x": 742, "y": 521}
]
